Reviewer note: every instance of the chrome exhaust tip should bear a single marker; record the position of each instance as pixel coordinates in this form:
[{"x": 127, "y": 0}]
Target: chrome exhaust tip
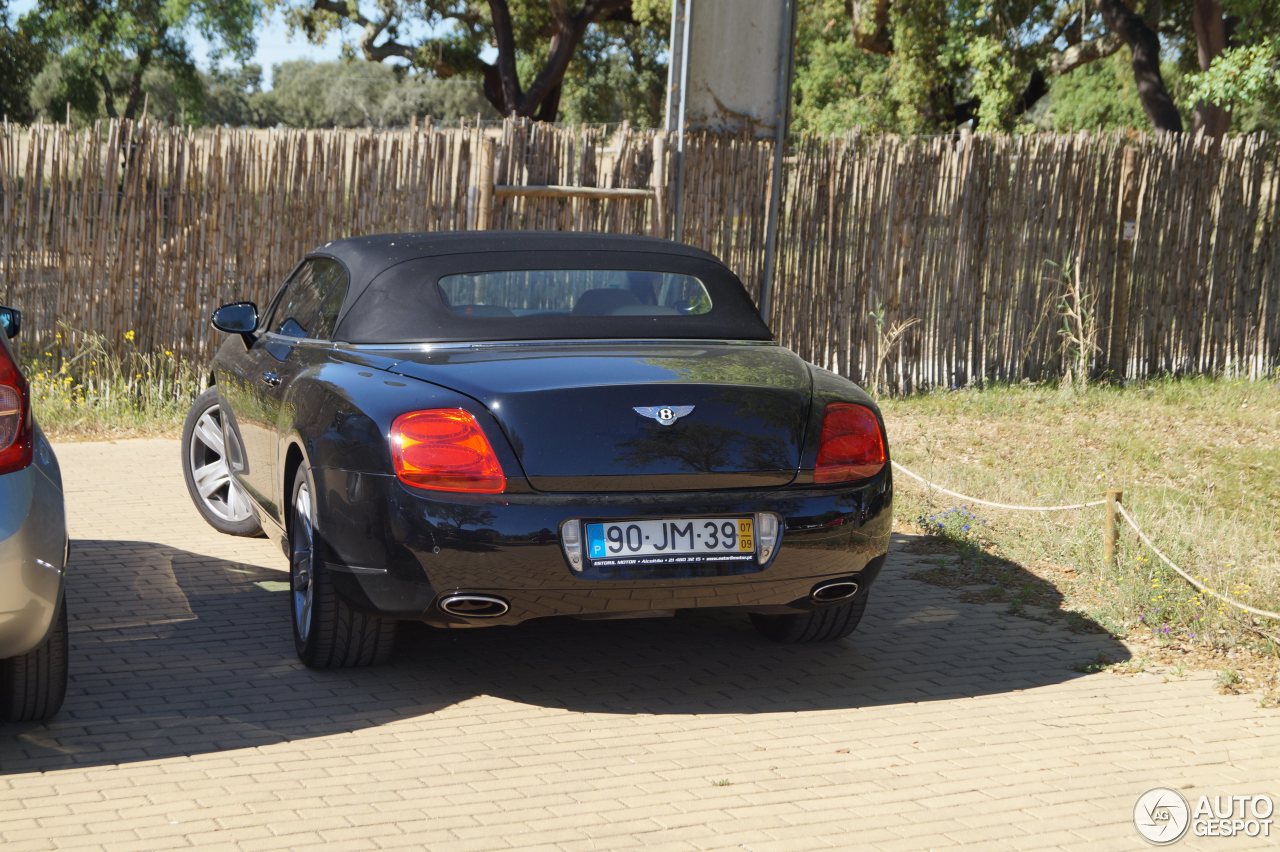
[
  {"x": 834, "y": 592},
  {"x": 474, "y": 606}
]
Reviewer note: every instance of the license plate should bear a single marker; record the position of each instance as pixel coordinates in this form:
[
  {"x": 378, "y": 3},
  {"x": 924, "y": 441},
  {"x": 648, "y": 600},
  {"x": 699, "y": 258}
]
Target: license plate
[{"x": 672, "y": 540}]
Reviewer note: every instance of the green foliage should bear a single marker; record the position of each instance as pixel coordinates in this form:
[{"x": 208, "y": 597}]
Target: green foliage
[
  {"x": 364, "y": 94},
  {"x": 1098, "y": 96},
  {"x": 618, "y": 75},
  {"x": 936, "y": 64},
  {"x": 65, "y": 83},
  {"x": 837, "y": 87},
  {"x": 115, "y": 43},
  {"x": 618, "y": 71},
  {"x": 1246, "y": 81},
  {"x": 235, "y": 98},
  {"x": 87, "y": 386},
  {"x": 21, "y": 59},
  {"x": 445, "y": 101},
  {"x": 918, "y": 75},
  {"x": 996, "y": 82}
]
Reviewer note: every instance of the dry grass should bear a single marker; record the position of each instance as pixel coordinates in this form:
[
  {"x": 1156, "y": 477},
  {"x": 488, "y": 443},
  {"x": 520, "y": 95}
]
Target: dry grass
[{"x": 1199, "y": 463}]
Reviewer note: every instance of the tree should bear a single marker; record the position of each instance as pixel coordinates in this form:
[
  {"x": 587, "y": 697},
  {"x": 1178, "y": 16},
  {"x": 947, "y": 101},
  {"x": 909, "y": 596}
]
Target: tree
[
  {"x": 117, "y": 42},
  {"x": 21, "y": 59},
  {"x": 1144, "y": 46},
  {"x": 1211, "y": 40},
  {"x": 620, "y": 74},
  {"x": 1098, "y": 96},
  {"x": 838, "y": 83},
  {"x": 64, "y": 88},
  {"x": 1242, "y": 78},
  {"x": 534, "y": 43},
  {"x": 354, "y": 93},
  {"x": 1244, "y": 82},
  {"x": 234, "y": 97},
  {"x": 992, "y": 62}
]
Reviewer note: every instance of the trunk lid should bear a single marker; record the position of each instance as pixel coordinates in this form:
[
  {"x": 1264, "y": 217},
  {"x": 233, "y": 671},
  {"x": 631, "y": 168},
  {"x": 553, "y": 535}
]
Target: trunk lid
[{"x": 569, "y": 410}]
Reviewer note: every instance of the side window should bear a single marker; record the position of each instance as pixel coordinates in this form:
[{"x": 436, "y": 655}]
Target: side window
[
  {"x": 309, "y": 308},
  {"x": 331, "y": 283},
  {"x": 266, "y": 320}
]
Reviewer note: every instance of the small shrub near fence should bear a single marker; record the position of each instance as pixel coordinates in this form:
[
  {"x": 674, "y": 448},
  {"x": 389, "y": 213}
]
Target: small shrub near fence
[{"x": 1164, "y": 253}]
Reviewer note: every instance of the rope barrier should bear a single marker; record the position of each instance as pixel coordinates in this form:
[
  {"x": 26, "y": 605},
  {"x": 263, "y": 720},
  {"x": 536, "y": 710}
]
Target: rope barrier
[
  {"x": 1184, "y": 575},
  {"x": 1008, "y": 506},
  {"x": 1120, "y": 509}
]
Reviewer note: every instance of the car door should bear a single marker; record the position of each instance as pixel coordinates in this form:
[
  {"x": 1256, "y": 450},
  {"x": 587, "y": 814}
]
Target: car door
[
  {"x": 238, "y": 374},
  {"x": 298, "y": 337}
]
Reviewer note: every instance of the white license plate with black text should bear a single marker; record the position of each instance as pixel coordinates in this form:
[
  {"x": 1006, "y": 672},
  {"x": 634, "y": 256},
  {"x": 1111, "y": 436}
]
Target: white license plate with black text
[{"x": 671, "y": 540}]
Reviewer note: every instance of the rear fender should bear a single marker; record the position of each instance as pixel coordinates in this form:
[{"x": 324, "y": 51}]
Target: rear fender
[
  {"x": 337, "y": 419},
  {"x": 340, "y": 416},
  {"x": 827, "y": 388}
]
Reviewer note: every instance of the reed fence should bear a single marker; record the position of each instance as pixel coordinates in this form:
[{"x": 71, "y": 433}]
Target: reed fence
[{"x": 1172, "y": 243}]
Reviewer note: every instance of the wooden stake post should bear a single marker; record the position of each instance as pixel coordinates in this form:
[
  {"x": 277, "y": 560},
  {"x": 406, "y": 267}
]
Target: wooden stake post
[
  {"x": 484, "y": 206},
  {"x": 1111, "y": 528}
]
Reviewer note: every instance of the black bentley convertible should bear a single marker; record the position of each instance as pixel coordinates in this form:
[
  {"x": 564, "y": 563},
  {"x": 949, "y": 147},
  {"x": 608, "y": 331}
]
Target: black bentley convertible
[{"x": 472, "y": 429}]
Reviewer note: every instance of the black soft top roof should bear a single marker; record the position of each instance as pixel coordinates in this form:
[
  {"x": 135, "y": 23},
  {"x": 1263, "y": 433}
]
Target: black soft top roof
[
  {"x": 387, "y": 302},
  {"x": 368, "y": 256}
]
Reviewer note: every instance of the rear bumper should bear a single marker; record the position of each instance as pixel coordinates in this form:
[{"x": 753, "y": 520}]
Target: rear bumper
[
  {"x": 398, "y": 551},
  {"x": 33, "y": 553}
]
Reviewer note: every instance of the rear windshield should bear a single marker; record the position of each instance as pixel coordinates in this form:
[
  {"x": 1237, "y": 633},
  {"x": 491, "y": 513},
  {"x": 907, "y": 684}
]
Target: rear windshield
[
  {"x": 552, "y": 295},
  {"x": 537, "y": 293}
]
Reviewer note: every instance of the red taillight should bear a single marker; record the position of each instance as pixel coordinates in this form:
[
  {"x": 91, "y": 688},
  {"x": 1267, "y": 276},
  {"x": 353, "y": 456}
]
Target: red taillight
[
  {"x": 851, "y": 446},
  {"x": 16, "y": 439},
  {"x": 444, "y": 449}
]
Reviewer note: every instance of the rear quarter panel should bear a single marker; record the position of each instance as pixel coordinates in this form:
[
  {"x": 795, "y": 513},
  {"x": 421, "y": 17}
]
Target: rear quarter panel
[
  {"x": 33, "y": 550},
  {"x": 337, "y": 418}
]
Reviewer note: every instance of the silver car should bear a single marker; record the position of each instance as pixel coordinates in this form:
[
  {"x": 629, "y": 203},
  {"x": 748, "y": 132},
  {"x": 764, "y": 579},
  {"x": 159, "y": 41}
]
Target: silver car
[{"x": 33, "y": 552}]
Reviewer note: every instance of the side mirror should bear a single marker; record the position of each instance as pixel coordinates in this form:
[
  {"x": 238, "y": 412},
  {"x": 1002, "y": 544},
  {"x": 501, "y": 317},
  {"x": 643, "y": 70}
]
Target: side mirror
[
  {"x": 236, "y": 318},
  {"x": 11, "y": 321}
]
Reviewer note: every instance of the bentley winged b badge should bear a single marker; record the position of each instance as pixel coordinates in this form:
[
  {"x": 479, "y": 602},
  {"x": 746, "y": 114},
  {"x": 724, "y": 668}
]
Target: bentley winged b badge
[{"x": 664, "y": 414}]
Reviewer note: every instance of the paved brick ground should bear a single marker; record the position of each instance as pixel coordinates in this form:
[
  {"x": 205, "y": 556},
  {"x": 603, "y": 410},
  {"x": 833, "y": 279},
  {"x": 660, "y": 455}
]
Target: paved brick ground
[{"x": 190, "y": 723}]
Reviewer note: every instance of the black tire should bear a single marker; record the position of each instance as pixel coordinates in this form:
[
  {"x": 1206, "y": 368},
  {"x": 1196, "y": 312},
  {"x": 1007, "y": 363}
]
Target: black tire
[
  {"x": 227, "y": 510},
  {"x": 337, "y": 635},
  {"x": 828, "y": 624},
  {"x": 33, "y": 686}
]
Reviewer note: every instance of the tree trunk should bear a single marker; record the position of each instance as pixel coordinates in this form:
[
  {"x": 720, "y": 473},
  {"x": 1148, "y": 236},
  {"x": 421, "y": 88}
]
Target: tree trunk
[
  {"x": 1144, "y": 48},
  {"x": 870, "y": 25},
  {"x": 541, "y": 101},
  {"x": 108, "y": 96},
  {"x": 508, "y": 94},
  {"x": 1211, "y": 40},
  {"x": 549, "y": 109}
]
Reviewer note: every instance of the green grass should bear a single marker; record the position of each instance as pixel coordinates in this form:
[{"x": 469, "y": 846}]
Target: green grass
[
  {"x": 96, "y": 389},
  {"x": 1198, "y": 461}
]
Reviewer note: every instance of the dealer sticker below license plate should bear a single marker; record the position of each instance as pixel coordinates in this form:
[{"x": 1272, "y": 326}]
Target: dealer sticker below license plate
[{"x": 671, "y": 540}]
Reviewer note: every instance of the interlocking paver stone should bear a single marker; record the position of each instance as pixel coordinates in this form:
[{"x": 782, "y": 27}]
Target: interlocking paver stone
[{"x": 190, "y": 723}]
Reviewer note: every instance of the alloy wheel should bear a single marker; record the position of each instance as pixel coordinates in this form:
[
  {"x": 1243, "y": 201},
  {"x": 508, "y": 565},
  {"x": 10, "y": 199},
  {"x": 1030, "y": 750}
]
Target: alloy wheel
[
  {"x": 211, "y": 472},
  {"x": 302, "y": 562}
]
